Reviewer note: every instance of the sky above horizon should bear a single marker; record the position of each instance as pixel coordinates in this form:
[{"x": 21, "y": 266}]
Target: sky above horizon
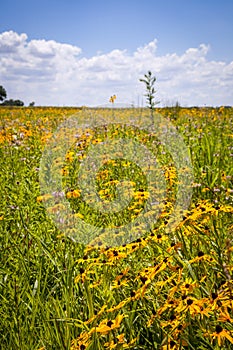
[{"x": 82, "y": 52}]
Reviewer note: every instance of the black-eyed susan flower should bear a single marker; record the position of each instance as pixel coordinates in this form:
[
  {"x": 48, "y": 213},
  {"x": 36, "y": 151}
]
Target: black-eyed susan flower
[
  {"x": 221, "y": 334},
  {"x": 73, "y": 194},
  {"x": 170, "y": 345},
  {"x": 107, "y": 325},
  {"x": 112, "y": 99},
  {"x": 70, "y": 156}
]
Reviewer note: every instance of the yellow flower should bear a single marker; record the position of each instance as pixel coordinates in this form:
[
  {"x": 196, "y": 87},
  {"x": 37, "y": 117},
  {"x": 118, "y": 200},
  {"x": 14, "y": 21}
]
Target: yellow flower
[
  {"x": 120, "y": 338},
  {"x": 116, "y": 254},
  {"x": 141, "y": 194},
  {"x": 225, "y": 317},
  {"x": 76, "y": 193},
  {"x": 73, "y": 194},
  {"x": 96, "y": 141},
  {"x": 70, "y": 156},
  {"x": 190, "y": 304},
  {"x": 65, "y": 171},
  {"x": 112, "y": 98},
  {"x": 108, "y": 325},
  {"x": 118, "y": 284},
  {"x": 43, "y": 198},
  {"x": 129, "y": 345},
  {"x": 79, "y": 215},
  {"x": 151, "y": 320},
  {"x": 188, "y": 285},
  {"x": 82, "y": 342},
  {"x": 110, "y": 345},
  {"x": 170, "y": 345},
  {"x": 69, "y": 194},
  {"x": 221, "y": 334}
]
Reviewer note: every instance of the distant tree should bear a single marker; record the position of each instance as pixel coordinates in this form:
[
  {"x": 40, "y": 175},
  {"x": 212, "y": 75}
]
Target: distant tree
[
  {"x": 32, "y": 104},
  {"x": 12, "y": 102},
  {"x": 3, "y": 93},
  {"x": 18, "y": 103}
]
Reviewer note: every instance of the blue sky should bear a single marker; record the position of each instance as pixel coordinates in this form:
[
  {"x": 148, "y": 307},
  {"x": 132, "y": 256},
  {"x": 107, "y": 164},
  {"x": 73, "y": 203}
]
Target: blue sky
[{"x": 100, "y": 27}]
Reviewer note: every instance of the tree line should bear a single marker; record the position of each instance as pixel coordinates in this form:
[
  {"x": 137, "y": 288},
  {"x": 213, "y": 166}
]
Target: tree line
[{"x": 10, "y": 102}]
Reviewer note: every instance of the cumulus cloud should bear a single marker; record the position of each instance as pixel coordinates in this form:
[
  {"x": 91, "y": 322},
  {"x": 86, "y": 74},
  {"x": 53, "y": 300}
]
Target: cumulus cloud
[
  {"x": 11, "y": 41},
  {"x": 52, "y": 73}
]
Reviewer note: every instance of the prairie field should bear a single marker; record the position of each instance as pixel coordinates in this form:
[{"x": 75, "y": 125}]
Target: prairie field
[{"x": 155, "y": 288}]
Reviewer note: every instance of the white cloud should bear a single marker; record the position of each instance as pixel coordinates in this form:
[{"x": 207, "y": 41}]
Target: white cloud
[
  {"x": 10, "y": 42},
  {"x": 52, "y": 73}
]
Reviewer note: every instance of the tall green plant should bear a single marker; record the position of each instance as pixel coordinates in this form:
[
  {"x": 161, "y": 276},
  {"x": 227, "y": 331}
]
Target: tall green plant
[{"x": 149, "y": 80}]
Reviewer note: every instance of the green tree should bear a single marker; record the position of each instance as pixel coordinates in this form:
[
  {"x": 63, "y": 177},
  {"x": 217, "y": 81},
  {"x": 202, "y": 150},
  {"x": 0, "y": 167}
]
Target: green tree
[
  {"x": 12, "y": 102},
  {"x": 3, "y": 93}
]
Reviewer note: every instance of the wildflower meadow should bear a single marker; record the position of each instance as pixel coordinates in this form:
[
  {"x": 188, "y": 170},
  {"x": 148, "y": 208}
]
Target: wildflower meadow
[{"x": 65, "y": 281}]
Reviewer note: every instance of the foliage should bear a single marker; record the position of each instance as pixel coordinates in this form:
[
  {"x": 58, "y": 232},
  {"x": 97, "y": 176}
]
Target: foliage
[
  {"x": 3, "y": 93},
  {"x": 12, "y": 102}
]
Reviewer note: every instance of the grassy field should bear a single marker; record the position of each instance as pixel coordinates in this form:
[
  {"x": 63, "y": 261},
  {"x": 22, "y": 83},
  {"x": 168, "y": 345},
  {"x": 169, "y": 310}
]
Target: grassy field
[{"x": 160, "y": 291}]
